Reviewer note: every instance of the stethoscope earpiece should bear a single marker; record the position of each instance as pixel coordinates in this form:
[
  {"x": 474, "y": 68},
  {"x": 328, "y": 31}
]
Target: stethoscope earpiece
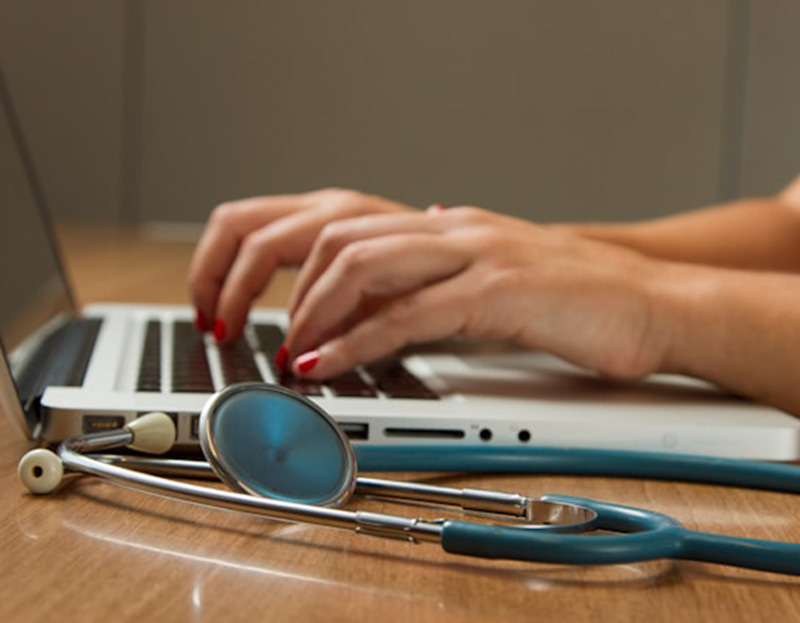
[{"x": 41, "y": 471}]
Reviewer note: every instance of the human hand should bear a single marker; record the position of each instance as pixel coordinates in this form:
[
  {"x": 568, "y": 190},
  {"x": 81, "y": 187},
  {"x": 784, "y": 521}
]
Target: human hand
[
  {"x": 373, "y": 285},
  {"x": 245, "y": 241}
]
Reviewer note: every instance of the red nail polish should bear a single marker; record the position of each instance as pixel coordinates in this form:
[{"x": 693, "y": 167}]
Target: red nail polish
[
  {"x": 219, "y": 330},
  {"x": 306, "y": 361},
  {"x": 200, "y": 321},
  {"x": 282, "y": 358}
]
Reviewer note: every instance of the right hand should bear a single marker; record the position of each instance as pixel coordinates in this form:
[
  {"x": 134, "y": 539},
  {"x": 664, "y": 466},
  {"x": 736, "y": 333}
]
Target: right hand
[
  {"x": 379, "y": 283},
  {"x": 245, "y": 241}
]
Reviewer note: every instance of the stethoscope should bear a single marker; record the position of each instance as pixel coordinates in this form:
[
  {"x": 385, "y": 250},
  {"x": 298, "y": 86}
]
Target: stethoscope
[{"x": 285, "y": 458}]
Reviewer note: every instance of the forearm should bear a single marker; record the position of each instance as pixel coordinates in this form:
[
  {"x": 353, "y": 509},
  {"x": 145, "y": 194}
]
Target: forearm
[
  {"x": 760, "y": 234},
  {"x": 739, "y": 329}
]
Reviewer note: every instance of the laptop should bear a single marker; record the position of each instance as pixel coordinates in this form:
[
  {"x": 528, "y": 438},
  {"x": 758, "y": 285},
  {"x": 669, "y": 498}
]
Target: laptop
[{"x": 66, "y": 371}]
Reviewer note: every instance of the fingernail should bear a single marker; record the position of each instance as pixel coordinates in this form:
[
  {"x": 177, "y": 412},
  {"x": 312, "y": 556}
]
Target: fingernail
[
  {"x": 219, "y": 330},
  {"x": 282, "y": 358},
  {"x": 200, "y": 321},
  {"x": 436, "y": 207},
  {"x": 306, "y": 361}
]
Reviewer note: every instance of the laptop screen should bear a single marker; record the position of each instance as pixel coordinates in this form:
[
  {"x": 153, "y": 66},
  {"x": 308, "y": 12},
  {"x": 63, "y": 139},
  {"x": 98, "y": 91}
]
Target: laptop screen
[{"x": 33, "y": 291}]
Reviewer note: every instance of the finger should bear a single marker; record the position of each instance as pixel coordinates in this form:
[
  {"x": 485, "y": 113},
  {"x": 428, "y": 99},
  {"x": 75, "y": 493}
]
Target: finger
[
  {"x": 217, "y": 248},
  {"x": 286, "y": 241},
  {"x": 379, "y": 267},
  {"x": 231, "y": 224},
  {"x": 339, "y": 234},
  {"x": 336, "y": 236},
  {"x": 432, "y": 313}
]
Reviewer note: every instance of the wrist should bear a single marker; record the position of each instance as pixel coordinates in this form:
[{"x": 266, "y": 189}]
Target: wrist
[
  {"x": 628, "y": 235},
  {"x": 688, "y": 326}
]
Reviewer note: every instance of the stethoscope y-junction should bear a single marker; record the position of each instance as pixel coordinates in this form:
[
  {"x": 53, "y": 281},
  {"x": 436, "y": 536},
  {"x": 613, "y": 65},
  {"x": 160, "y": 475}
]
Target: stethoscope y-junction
[{"x": 287, "y": 459}]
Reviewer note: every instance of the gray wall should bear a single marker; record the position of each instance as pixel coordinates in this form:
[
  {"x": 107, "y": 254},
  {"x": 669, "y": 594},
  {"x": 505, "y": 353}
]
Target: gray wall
[
  {"x": 63, "y": 63},
  {"x": 157, "y": 110},
  {"x": 771, "y": 132}
]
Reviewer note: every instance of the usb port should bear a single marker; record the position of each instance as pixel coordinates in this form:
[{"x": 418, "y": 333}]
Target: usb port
[
  {"x": 195, "y": 427},
  {"x": 354, "y": 430},
  {"x": 97, "y": 423}
]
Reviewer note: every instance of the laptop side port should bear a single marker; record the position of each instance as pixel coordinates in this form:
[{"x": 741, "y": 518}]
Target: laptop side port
[
  {"x": 425, "y": 433},
  {"x": 355, "y": 430},
  {"x": 98, "y": 423}
]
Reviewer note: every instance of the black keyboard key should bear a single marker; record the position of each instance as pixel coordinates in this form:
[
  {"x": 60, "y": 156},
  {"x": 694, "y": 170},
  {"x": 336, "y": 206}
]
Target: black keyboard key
[
  {"x": 395, "y": 381},
  {"x": 301, "y": 386},
  {"x": 238, "y": 365},
  {"x": 150, "y": 365},
  {"x": 270, "y": 339},
  {"x": 190, "y": 371},
  {"x": 350, "y": 384},
  {"x": 390, "y": 375}
]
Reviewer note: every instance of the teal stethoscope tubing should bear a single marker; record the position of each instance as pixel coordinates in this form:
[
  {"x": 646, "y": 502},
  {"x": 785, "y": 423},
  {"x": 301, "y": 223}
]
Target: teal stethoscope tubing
[
  {"x": 646, "y": 535},
  {"x": 583, "y": 461},
  {"x": 643, "y": 534}
]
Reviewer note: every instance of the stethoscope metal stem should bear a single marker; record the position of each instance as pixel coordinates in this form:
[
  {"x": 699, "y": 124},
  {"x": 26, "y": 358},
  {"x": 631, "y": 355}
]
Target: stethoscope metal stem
[
  {"x": 99, "y": 441},
  {"x": 410, "y": 529},
  {"x": 467, "y": 499},
  {"x": 533, "y": 511}
]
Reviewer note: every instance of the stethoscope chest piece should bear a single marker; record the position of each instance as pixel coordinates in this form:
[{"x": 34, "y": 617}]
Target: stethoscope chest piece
[{"x": 277, "y": 444}]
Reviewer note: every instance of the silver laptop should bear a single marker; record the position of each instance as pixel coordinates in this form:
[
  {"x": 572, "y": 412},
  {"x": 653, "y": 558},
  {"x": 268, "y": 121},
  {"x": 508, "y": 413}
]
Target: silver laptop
[{"x": 66, "y": 371}]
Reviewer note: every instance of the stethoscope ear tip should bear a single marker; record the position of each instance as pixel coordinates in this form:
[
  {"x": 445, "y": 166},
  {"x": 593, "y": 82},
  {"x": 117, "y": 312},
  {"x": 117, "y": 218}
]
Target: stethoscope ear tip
[{"x": 40, "y": 471}]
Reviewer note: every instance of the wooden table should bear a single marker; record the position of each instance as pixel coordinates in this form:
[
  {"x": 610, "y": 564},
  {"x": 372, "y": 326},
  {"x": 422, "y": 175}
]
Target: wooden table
[{"x": 96, "y": 552}]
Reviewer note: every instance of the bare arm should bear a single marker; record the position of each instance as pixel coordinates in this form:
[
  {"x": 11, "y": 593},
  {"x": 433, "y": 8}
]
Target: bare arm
[
  {"x": 739, "y": 329},
  {"x": 759, "y": 234}
]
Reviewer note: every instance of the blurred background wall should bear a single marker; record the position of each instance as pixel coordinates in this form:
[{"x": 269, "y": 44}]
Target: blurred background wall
[{"x": 157, "y": 110}]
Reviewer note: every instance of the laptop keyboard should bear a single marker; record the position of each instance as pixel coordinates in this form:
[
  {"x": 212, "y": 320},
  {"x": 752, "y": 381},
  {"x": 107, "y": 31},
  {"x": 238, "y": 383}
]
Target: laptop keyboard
[
  {"x": 191, "y": 371},
  {"x": 150, "y": 366}
]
